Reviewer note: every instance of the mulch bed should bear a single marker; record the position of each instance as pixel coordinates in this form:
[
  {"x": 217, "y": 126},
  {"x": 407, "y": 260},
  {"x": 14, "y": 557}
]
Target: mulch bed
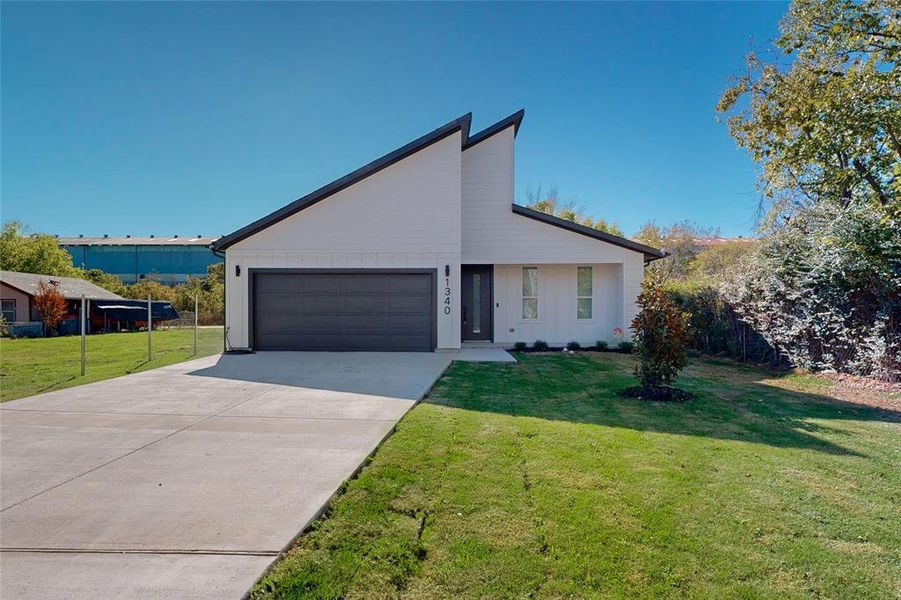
[{"x": 656, "y": 394}]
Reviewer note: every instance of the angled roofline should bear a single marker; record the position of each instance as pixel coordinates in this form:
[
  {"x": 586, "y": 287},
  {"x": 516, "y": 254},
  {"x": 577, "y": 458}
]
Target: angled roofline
[
  {"x": 649, "y": 253},
  {"x": 17, "y": 288},
  {"x": 514, "y": 120},
  {"x": 461, "y": 124}
]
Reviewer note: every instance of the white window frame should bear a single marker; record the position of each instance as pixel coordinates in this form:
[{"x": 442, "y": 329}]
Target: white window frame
[
  {"x": 589, "y": 297},
  {"x": 522, "y": 306}
]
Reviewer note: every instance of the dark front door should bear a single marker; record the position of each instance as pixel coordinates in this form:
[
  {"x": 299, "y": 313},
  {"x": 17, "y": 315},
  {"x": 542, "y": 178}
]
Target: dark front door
[
  {"x": 343, "y": 311},
  {"x": 476, "y": 305}
]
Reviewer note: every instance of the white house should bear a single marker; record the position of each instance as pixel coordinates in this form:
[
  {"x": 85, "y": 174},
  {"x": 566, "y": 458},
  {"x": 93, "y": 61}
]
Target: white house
[{"x": 424, "y": 249}]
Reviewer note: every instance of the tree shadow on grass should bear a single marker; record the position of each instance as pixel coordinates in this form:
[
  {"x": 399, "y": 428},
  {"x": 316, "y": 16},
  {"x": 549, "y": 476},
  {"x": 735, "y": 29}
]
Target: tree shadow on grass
[{"x": 730, "y": 402}]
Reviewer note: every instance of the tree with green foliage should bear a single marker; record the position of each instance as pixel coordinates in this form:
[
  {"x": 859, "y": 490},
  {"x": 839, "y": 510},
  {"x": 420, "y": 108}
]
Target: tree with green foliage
[
  {"x": 550, "y": 203},
  {"x": 33, "y": 253},
  {"x": 660, "y": 337},
  {"x": 826, "y": 127},
  {"x": 824, "y": 283},
  {"x": 106, "y": 281},
  {"x": 210, "y": 292},
  {"x": 717, "y": 263},
  {"x": 679, "y": 240},
  {"x": 150, "y": 287}
]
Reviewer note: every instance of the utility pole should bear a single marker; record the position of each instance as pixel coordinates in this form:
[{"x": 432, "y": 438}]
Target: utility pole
[
  {"x": 82, "y": 333},
  {"x": 196, "y": 304},
  {"x": 149, "y": 330}
]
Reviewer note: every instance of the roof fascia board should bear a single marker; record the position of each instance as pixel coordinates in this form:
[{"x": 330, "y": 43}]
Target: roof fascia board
[
  {"x": 461, "y": 124},
  {"x": 514, "y": 120},
  {"x": 648, "y": 252}
]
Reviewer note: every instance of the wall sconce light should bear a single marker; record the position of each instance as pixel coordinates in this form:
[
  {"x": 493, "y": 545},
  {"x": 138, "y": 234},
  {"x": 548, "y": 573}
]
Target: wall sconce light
[
  {"x": 447, "y": 270},
  {"x": 237, "y": 270}
]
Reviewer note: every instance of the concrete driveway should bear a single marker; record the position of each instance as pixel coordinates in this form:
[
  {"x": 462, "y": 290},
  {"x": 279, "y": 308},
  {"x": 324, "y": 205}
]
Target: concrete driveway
[{"x": 187, "y": 481}]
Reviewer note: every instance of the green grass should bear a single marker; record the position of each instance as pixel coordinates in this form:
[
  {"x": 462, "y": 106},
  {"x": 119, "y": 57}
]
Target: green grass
[
  {"x": 536, "y": 480},
  {"x": 32, "y": 366}
]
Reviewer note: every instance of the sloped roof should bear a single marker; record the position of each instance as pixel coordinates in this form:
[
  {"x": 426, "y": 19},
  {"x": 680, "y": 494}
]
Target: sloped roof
[
  {"x": 460, "y": 124},
  {"x": 649, "y": 253},
  {"x": 136, "y": 241},
  {"x": 71, "y": 288}
]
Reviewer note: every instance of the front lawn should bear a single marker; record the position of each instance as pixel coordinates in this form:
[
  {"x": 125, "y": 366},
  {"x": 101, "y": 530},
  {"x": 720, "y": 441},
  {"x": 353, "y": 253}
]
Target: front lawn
[
  {"x": 32, "y": 366},
  {"x": 537, "y": 480}
]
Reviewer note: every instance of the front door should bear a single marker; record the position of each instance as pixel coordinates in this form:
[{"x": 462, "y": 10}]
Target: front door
[{"x": 476, "y": 305}]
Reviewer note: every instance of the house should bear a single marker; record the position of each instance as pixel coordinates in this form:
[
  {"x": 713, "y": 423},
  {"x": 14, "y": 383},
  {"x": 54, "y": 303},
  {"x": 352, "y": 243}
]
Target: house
[
  {"x": 422, "y": 250},
  {"x": 171, "y": 260},
  {"x": 106, "y": 311}
]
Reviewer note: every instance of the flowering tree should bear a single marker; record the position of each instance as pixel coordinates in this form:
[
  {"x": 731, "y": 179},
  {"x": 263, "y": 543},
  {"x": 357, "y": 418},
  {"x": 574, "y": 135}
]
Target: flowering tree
[{"x": 50, "y": 303}]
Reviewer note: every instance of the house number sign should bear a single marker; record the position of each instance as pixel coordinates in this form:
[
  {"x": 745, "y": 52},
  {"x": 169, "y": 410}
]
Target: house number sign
[{"x": 447, "y": 294}]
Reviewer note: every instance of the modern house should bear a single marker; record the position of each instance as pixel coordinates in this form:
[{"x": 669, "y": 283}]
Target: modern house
[
  {"x": 171, "y": 260},
  {"x": 422, "y": 250},
  {"x": 106, "y": 311}
]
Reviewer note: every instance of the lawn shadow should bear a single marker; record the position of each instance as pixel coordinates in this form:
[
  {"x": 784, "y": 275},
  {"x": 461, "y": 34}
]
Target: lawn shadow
[
  {"x": 730, "y": 402},
  {"x": 54, "y": 384}
]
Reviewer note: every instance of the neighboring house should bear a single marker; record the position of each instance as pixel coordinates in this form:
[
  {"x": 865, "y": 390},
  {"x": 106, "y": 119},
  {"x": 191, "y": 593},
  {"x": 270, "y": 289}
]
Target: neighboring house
[
  {"x": 423, "y": 249},
  {"x": 170, "y": 260},
  {"x": 106, "y": 311}
]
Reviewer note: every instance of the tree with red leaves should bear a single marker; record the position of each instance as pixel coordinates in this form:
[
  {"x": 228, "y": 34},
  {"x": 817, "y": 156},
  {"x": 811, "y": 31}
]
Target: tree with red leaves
[{"x": 50, "y": 303}]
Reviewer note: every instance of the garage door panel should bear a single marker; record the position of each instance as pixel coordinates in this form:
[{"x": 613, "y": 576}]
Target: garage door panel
[
  {"x": 270, "y": 285},
  {"x": 343, "y": 311},
  {"x": 278, "y": 302},
  {"x": 419, "y": 323},
  {"x": 320, "y": 284},
  {"x": 410, "y": 305},
  {"x": 365, "y": 323},
  {"x": 314, "y": 304},
  {"x": 366, "y": 284},
  {"x": 410, "y": 286},
  {"x": 366, "y": 305}
]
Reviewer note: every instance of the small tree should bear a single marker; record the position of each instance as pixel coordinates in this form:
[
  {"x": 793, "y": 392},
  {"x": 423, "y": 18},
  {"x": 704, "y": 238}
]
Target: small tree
[
  {"x": 661, "y": 337},
  {"x": 50, "y": 303}
]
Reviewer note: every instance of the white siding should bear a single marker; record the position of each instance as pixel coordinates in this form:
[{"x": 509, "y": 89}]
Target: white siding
[
  {"x": 557, "y": 323},
  {"x": 493, "y": 234},
  {"x": 405, "y": 216}
]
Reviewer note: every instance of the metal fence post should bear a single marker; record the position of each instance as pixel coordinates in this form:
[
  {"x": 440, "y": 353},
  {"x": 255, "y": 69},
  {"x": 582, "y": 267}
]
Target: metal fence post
[
  {"x": 82, "y": 333},
  {"x": 196, "y": 303},
  {"x": 149, "y": 330}
]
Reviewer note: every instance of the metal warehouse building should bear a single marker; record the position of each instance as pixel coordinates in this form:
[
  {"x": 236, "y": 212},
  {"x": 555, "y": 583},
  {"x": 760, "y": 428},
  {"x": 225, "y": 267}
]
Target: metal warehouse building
[{"x": 169, "y": 259}]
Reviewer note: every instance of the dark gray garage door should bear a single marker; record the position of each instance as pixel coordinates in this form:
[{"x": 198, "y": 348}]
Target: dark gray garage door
[{"x": 343, "y": 311}]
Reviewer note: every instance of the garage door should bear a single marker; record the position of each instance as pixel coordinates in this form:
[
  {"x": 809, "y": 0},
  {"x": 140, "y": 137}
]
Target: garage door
[{"x": 343, "y": 311}]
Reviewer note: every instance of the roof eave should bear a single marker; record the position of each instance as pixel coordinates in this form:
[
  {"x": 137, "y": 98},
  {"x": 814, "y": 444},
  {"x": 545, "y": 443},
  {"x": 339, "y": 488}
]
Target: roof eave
[
  {"x": 514, "y": 120},
  {"x": 649, "y": 253},
  {"x": 461, "y": 124}
]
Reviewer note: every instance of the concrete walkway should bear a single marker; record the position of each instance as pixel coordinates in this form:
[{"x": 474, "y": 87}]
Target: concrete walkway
[{"x": 188, "y": 480}]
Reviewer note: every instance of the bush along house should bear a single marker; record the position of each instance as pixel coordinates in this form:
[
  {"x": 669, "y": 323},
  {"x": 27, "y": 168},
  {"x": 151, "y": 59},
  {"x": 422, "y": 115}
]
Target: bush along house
[
  {"x": 424, "y": 249},
  {"x": 106, "y": 311}
]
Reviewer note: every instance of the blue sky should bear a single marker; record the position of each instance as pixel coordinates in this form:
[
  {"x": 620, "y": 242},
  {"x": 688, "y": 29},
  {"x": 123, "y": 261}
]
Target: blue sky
[{"x": 196, "y": 118}]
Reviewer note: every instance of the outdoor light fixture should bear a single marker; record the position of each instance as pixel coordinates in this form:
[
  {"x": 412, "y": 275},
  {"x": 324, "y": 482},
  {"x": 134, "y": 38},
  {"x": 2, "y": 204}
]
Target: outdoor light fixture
[
  {"x": 237, "y": 270},
  {"x": 447, "y": 270}
]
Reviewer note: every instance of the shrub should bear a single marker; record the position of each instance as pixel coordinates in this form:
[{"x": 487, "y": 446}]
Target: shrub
[
  {"x": 626, "y": 346},
  {"x": 600, "y": 345},
  {"x": 661, "y": 336},
  {"x": 539, "y": 345},
  {"x": 573, "y": 346},
  {"x": 520, "y": 346}
]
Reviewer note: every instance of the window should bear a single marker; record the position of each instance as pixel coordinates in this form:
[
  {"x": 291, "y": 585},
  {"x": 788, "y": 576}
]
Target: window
[
  {"x": 583, "y": 292},
  {"x": 9, "y": 310},
  {"x": 476, "y": 303},
  {"x": 530, "y": 292}
]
